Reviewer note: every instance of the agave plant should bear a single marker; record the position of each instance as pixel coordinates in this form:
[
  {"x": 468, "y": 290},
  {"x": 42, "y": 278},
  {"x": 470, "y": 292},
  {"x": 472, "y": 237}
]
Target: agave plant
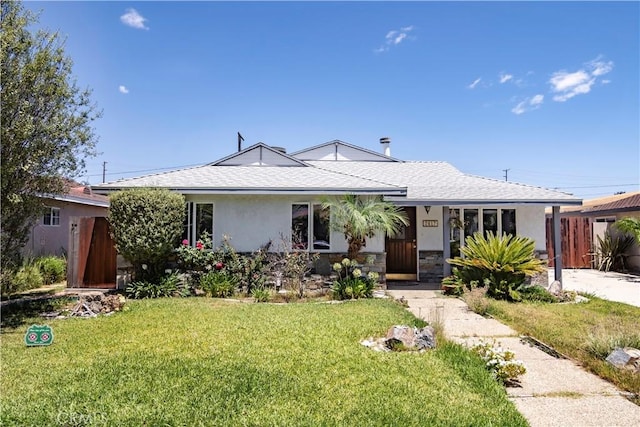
[
  {"x": 611, "y": 252},
  {"x": 500, "y": 262}
]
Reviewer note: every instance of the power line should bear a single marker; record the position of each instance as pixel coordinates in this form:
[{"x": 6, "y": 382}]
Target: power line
[
  {"x": 598, "y": 186},
  {"x": 145, "y": 170}
]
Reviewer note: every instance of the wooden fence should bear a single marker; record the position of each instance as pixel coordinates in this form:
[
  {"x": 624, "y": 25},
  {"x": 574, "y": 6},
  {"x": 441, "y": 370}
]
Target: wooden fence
[
  {"x": 576, "y": 242},
  {"x": 92, "y": 254}
]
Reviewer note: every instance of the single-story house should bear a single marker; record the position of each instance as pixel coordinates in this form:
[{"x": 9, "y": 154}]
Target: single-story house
[
  {"x": 261, "y": 193},
  {"x": 50, "y": 233}
]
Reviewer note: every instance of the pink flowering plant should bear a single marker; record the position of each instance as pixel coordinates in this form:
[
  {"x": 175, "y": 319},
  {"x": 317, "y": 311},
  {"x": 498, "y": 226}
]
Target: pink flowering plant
[{"x": 198, "y": 259}]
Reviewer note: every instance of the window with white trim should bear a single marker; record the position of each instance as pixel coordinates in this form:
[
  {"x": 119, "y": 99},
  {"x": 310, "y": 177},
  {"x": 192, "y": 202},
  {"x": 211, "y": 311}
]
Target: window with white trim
[
  {"x": 51, "y": 216},
  {"x": 497, "y": 221},
  {"x": 310, "y": 225},
  {"x": 198, "y": 218}
]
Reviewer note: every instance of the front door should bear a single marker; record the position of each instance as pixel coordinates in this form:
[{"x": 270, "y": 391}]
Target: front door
[{"x": 402, "y": 256}]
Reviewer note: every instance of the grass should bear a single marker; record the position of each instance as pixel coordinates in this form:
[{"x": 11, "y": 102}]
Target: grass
[
  {"x": 586, "y": 332},
  {"x": 200, "y": 361}
]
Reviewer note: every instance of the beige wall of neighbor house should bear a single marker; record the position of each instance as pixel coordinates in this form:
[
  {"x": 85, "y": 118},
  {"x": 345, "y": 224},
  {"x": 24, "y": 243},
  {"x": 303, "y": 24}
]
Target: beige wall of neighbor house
[{"x": 54, "y": 239}]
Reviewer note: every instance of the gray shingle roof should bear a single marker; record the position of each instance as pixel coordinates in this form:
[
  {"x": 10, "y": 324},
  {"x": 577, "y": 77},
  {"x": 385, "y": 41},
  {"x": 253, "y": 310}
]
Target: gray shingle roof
[
  {"x": 255, "y": 179},
  {"x": 411, "y": 182},
  {"x": 440, "y": 183}
]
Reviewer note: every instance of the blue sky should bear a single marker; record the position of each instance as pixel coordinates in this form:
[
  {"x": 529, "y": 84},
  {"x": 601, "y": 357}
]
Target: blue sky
[{"x": 547, "y": 90}]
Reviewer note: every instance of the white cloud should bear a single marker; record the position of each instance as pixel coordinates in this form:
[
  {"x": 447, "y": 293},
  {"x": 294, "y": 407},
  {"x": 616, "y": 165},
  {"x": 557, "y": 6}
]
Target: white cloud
[
  {"x": 394, "y": 37},
  {"x": 599, "y": 67},
  {"x": 133, "y": 19},
  {"x": 537, "y": 100},
  {"x": 505, "y": 77},
  {"x": 123, "y": 89},
  {"x": 606, "y": 81},
  {"x": 475, "y": 83},
  {"x": 567, "y": 85},
  {"x": 529, "y": 104}
]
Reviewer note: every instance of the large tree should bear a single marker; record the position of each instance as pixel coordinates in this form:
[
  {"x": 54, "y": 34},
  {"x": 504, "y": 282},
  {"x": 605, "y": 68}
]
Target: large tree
[
  {"x": 45, "y": 124},
  {"x": 360, "y": 218}
]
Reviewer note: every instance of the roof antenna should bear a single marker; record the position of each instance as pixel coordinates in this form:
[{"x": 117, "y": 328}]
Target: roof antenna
[{"x": 240, "y": 139}]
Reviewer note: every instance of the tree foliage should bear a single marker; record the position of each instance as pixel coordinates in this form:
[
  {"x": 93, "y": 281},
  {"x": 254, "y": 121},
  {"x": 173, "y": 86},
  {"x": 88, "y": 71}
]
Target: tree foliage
[
  {"x": 630, "y": 225},
  {"x": 360, "y": 218},
  {"x": 46, "y": 124},
  {"x": 146, "y": 225}
]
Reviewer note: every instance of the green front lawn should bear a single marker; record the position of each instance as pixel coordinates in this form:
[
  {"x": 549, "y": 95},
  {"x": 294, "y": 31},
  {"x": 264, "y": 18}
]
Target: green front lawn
[
  {"x": 586, "y": 332},
  {"x": 201, "y": 361}
]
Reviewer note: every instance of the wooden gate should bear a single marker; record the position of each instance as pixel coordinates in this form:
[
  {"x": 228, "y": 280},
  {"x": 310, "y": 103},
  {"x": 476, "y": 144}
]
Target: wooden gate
[
  {"x": 575, "y": 235},
  {"x": 92, "y": 254}
]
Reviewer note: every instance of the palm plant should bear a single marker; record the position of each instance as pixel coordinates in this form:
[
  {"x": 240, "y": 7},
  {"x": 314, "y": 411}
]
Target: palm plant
[
  {"x": 360, "y": 218},
  {"x": 500, "y": 262}
]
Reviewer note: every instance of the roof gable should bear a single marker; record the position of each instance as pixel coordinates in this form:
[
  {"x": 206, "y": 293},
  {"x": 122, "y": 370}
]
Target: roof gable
[
  {"x": 337, "y": 150},
  {"x": 259, "y": 154}
]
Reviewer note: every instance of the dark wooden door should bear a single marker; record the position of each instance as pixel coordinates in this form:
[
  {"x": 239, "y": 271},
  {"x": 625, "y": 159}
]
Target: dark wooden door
[{"x": 402, "y": 256}]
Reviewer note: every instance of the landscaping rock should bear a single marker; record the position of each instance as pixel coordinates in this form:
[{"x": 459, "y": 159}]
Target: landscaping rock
[
  {"x": 92, "y": 304},
  {"x": 555, "y": 287},
  {"x": 426, "y": 338},
  {"x": 401, "y": 334},
  {"x": 625, "y": 358}
]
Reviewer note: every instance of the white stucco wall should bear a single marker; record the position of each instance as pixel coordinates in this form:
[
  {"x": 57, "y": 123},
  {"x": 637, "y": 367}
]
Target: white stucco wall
[
  {"x": 429, "y": 238},
  {"x": 530, "y": 222},
  {"x": 251, "y": 221}
]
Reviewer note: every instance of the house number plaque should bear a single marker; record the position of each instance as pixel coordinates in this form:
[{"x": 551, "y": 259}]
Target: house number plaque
[{"x": 429, "y": 222}]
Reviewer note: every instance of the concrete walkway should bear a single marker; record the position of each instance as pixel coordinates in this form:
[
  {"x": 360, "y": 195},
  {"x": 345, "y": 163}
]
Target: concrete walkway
[
  {"x": 554, "y": 392},
  {"x": 610, "y": 285}
]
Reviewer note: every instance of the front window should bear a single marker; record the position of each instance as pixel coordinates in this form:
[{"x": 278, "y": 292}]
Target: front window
[
  {"x": 198, "y": 218},
  {"x": 490, "y": 221},
  {"x": 509, "y": 221},
  {"x": 303, "y": 226},
  {"x": 51, "y": 216},
  {"x": 470, "y": 222}
]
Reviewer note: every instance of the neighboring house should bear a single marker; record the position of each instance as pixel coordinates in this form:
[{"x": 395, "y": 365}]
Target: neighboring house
[
  {"x": 261, "y": 194},
  {"x": 50, "y": 234},
  {"x": 581, "y": 226}
]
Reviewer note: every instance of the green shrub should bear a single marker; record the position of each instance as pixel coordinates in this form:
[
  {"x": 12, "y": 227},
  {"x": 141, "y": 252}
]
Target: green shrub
[
  {"x": 351, "y": 283},
  {"x": 27, "y": 277},
  {"x": 500, "y": 262},
  {"x": 536, "y": 293},
  {"x": 260, "y": 294},
  {"x": 218, "y": 284},
  {"x": 146, "y": 225},
  {"x": 53, "y": 269},
  {"x": 166, "y": 287},
  {"x": 197, "y": 259}
]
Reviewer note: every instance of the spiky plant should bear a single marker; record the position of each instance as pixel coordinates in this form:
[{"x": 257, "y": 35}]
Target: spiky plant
[
  {"x": 360, "y": 218},
  {"x": 611, "y": 251},
  {"x": 500, "y": 262}
]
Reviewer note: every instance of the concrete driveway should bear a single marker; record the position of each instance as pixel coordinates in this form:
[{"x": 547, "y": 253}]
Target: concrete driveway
[{"x": 607, "y": 285}]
